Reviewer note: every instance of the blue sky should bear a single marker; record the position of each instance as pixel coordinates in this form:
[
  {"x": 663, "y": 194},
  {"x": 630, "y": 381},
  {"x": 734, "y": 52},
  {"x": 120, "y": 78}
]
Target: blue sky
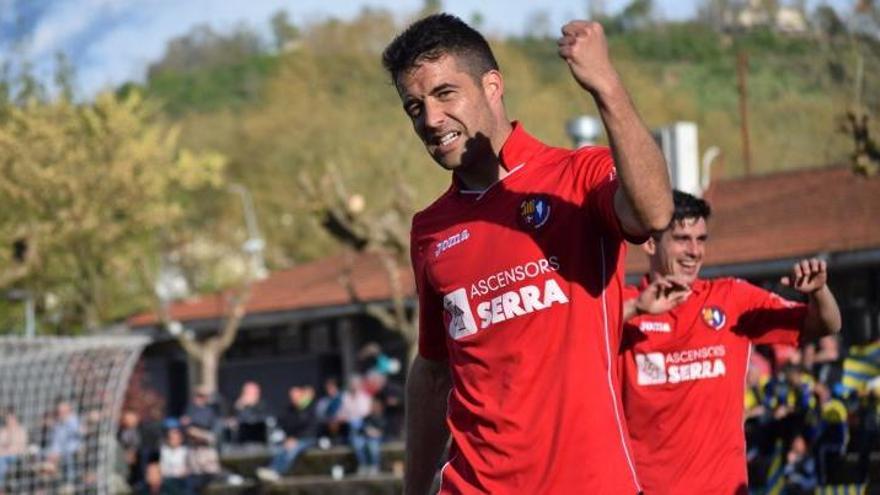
[{"x": 112, "y": 41}]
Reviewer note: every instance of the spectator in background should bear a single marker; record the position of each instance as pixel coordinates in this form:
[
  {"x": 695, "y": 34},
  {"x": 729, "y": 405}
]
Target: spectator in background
[
  {"x": 251, "y": 415},
  {"x": 788, "y": 397},
  {"x": 832, "y": 436},
  {"x": 300, "y": 426},
  {"x": 823, "y": 359},
  {"x": 173, "y": 460},
  {"x": 155, "y": 484},
  {"x": 327, "y": 411},
  {"x": 391, "y": 395},
  {"x": 200, "y": 412},
  {"x": 129, "y": 438},
  {"x": 756, "y": 416},
  {"x": 13, "y": 442},
  {"x": 368, "y": 444},
  {"x": 356, "y": 405},
  {"x": 202, "y": 458},
  {"x": 65, "y": 440},
  {"x": 868, "y": 437},
  {"x": 800, "y": 469}
]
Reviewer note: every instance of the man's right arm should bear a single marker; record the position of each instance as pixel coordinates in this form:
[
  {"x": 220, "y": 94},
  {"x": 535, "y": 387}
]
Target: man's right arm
[{"x": 427, "y": 390}]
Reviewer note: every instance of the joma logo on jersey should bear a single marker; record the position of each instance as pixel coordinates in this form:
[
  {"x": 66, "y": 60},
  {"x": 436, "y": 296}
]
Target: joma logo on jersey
[
  {"x": 655, "y": 326},
  {"x": 451, "y": 241}
]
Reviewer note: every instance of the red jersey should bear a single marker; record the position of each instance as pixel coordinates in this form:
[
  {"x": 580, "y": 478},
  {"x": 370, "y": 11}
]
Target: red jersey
[
  {"x": 520, "y": 289},
  {"x": 684, "y": 380}
]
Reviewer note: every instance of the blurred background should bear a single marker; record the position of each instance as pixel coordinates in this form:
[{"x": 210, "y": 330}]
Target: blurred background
[{"x": 235, "y": 181}]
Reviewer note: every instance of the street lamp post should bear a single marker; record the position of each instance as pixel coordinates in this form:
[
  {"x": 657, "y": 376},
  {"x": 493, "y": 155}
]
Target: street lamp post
[{"x": 254, "y": 245}]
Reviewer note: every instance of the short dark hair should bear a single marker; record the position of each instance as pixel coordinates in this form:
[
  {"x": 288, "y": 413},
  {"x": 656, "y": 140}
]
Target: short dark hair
[
  {"x": 688, "y": 206},
  {"x": 433, "y": 37}
]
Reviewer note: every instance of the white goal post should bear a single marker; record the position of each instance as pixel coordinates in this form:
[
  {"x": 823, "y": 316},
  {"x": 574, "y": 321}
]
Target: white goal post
[{"x": 60, "y": 401}]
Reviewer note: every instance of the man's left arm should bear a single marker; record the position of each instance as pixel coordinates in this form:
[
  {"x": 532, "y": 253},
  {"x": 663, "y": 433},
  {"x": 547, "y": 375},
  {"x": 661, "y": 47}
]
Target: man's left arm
[
  {"x": 643, "y": 202},
  {"x": 810, "y": 276}
]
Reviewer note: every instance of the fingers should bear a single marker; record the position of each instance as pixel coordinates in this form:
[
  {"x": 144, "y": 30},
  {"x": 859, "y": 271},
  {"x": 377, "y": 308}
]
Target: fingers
[
  {"x": 807, "y": 274},
  {"x": 572, "y": 32}
]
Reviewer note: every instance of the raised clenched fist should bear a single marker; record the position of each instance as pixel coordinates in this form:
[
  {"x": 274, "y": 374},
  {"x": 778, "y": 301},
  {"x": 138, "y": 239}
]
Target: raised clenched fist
[{"x": 585, "y": 50}]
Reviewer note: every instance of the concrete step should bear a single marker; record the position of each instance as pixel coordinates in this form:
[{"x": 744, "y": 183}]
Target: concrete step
[
  {"x": 380, "y": 484},
  {"x": 315, "y": 461}
]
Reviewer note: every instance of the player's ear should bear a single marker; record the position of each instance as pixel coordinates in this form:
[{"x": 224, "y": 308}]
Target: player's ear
[
  {"x": 493, "y": 85},
  {"x": 650, "y": 246}
]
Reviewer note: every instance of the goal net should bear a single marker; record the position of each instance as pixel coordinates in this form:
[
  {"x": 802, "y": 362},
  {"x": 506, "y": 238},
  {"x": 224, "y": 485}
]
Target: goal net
[{"x": 59, "y": 409}]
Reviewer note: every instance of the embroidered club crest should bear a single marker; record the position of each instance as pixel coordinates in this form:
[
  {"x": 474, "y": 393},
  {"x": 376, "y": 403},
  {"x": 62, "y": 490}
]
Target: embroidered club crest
[
  {"x": 714, "y": 317},
  {"x": 534, "y": 212}
]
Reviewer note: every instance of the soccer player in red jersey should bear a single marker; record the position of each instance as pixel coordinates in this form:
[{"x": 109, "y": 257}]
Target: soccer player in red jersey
[
  {"x": 518, "y": 268},
  {"x": 685, "y": 355}
]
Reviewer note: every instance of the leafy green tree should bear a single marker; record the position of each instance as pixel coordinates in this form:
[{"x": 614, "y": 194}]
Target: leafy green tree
[{"x": 90, "y": 185}]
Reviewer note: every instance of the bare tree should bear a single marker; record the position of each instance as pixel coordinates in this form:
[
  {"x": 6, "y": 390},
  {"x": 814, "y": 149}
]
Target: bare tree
[
  {"x": 384, "y": 235},
  {"x": 207, "y": 351}
]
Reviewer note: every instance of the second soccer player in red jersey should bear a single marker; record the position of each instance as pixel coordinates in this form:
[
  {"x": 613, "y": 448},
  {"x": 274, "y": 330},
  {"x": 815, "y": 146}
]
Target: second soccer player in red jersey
[
  {"x": 685, "y": 355},
  {"x": 518, "y": 271}
]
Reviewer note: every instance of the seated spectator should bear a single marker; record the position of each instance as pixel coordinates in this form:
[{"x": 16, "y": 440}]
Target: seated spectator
[
  {"x": 391, "y": 395},
  {"x": 201, "y": 412},
  {"x": 327, "y": 411},
  {"x": 355, "y": 404},
  {"x": 800, "y": 469},
  {"x": 300, "y": 427},
  {"x": 251, "y": 415},
  {"x": 65, "y": 440},
  {"x": 129, "y": 438},
  {"x": 13, "y": 442},
  {"x": 155, "y": 484},
  {"x": 368, "y": 444},
  {"x": 203, "y": 459},
  {"x": 173, "y": 460}
]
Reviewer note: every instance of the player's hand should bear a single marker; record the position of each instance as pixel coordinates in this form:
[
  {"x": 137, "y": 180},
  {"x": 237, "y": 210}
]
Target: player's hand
[
  {"x": 807, "y": 276},
  {"x": 662, "y": 295},
  {"x": 584, "y": 48}
]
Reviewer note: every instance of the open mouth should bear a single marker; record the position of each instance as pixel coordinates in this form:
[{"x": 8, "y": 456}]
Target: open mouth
[{"x": 689, "y": 265}]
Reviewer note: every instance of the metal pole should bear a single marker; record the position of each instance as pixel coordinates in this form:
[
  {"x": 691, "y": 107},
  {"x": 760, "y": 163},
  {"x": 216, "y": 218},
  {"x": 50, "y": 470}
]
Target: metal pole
[
  {"x": 30, "y": 317},
  {"x": 742, "y": 68},
  {"x": 254, "y": 245}
]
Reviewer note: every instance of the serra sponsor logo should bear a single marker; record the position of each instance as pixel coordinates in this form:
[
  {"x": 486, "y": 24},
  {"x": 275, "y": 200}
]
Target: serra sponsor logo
[
  {"x": 528, "y": 299},
  {"x": 656, "y": 368},
  {"x": 536, "y": 296}
]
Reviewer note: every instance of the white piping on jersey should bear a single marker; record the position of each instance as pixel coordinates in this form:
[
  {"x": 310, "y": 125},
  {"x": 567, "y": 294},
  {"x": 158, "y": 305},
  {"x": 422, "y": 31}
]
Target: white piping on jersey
[
  {"x": 483, "y": 192},
  {"x": 745, "y": 385},
  {"x": 448, "y": 461},
  {"x": 626, "y": 453}
]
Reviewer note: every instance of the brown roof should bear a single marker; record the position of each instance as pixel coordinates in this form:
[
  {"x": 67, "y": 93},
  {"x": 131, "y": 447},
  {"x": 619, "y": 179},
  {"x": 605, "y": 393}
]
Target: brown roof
[
  {"x": 309, "y": 285},
  {"x": 762, "y": 218},
  {"x": 788, "y": 215}
]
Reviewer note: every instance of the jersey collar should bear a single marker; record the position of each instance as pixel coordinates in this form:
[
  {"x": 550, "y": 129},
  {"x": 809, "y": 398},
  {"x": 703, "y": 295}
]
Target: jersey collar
[{"x": 517, "y": 150}]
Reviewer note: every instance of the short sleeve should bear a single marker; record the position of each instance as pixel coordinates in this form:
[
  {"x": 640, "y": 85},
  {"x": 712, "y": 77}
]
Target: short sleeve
[
  {"x": 768, "y": 318},
  {"x": 600, "y": 181},
  {"x": 432, "y": 336}
]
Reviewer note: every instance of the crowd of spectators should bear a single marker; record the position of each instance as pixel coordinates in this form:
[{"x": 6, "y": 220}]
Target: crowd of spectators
[
  {"x": 183, "y": 456},
  {"x": 803, "y": 419}
]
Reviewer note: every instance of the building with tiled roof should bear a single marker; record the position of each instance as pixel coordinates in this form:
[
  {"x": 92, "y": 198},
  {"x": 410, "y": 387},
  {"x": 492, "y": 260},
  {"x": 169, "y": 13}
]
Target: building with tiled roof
[{"x": 304, "y": 322}]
